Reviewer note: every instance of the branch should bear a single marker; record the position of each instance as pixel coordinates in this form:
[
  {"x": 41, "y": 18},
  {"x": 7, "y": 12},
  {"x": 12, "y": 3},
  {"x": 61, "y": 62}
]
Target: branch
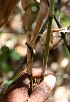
[
  {"x": 42, "y": 14},
  {"x": 46, "y": 51},
  {"x": 62, "y": 34}
]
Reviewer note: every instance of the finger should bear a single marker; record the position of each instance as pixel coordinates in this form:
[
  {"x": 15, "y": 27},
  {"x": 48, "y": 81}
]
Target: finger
[
  {"x": 18, "y": 90},
  {"x": 37, "y": 72},
  {"x": 18, "y": 95},
  {"x": 42, "y": 91}
]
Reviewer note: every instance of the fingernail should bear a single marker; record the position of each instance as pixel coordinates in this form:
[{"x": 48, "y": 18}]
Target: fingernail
[{"x": 50, "y": 80}]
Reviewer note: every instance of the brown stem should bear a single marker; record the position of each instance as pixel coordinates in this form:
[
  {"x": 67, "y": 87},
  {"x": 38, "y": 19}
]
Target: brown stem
[{"x": 42, "y": 14}]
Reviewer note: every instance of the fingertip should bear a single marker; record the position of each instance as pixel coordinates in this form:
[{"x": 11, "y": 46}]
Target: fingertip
[{"x": 50, "y": 80}]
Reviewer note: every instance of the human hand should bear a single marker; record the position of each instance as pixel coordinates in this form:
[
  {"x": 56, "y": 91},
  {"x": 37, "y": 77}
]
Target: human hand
[{"x": 18, "y": 90}]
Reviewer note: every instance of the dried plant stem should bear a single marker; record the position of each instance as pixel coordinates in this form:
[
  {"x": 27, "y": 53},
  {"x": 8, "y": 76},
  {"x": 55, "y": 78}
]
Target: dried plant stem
[
  {"x": 42, "y": 14},
  {"x": 29, "y": 59},
  {"x": 46, "y": 51},
  {"x": 55, "y": 44},
  {"x": 29, "y": 63},
  {"x": 62, "y": 34}
]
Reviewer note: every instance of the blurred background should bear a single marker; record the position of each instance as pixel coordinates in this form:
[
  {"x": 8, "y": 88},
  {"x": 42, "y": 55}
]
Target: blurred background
[{"x": 13, "y": 51}]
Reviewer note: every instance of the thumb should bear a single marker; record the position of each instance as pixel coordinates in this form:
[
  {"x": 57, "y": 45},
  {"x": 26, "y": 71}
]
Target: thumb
[{"x": 42, "y": 91}]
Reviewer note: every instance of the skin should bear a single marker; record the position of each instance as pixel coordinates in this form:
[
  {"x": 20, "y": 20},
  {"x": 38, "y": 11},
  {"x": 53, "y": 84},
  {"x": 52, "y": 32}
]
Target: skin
[{"x": 20, "y": 92}]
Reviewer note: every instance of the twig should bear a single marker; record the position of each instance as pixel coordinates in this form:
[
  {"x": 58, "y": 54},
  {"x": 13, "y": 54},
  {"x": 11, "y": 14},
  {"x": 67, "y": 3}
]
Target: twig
[
  {"x": 55, "y": 44},
  {"x": 59, "y": 9},
  {"x": 44, "y": 26},
  {"x": 28, "y": 18},
  {"x": 29, "y": 55},
  {"x": 46, "y": 51},
  {"x": 62, "y": 34},
  {"x": 29, "y": 62},
  {"x": 19, "y": 66},
  {"x": 42, "y": 14},
  {"x": 25, "y": 58}
]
